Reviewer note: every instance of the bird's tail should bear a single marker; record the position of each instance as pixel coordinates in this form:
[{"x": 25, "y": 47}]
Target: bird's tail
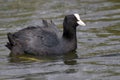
[{"x": 11, "y": 41}]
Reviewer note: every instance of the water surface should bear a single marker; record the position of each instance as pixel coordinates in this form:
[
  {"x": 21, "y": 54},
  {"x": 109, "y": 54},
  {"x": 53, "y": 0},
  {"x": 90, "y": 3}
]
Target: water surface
[{"x": 97, "y": 56}]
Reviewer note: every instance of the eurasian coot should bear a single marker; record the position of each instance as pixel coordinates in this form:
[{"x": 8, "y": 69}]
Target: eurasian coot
[{"x": 44, "y": 40}]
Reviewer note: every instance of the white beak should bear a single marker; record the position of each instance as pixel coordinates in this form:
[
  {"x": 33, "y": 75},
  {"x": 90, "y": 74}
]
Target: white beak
[{"x": 80, "y": 22}]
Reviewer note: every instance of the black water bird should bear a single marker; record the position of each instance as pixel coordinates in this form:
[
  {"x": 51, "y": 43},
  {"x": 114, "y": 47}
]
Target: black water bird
[{"x": 45, "y": 40}]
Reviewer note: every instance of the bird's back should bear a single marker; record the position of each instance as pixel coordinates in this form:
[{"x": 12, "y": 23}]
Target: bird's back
[{"x": 35, "y": 39}]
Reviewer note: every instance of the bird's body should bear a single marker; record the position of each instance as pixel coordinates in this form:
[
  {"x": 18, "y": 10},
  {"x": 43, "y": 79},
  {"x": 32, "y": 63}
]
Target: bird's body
[{"x": 37, "y": 40}]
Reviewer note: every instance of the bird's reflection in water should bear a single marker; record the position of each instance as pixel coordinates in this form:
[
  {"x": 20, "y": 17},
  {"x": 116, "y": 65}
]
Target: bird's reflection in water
[{"x": 68, "y": 59}]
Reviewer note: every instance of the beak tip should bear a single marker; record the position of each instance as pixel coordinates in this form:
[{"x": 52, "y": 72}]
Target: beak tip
[
  {"x": 84, "y": 25},
  {"x": 81, "y": 23}
]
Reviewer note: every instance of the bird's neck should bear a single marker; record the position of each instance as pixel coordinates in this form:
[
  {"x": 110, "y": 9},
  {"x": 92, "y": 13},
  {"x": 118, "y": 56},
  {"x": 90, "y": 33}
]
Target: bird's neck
[{"x": 69, "y": 34}]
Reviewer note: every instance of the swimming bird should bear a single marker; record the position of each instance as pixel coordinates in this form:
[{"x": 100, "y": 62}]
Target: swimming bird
[{"x": 45, "y": 40}]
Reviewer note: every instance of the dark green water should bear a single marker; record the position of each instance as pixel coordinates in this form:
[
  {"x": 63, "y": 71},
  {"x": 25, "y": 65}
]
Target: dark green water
[{"x": 97, "y": 56}]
